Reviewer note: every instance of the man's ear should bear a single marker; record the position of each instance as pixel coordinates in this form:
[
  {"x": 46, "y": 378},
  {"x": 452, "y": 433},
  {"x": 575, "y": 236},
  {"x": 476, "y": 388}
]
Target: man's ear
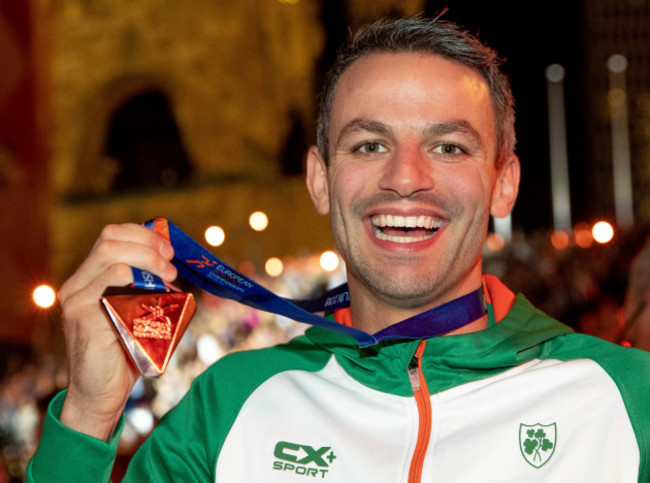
[
  {"x": 317, "y": 180},
  {"x": 506, "y": 188}
]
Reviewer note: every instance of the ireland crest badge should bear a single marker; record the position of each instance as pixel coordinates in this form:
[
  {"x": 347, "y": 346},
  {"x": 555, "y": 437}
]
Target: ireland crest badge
[{"x": 537, "y": 443}]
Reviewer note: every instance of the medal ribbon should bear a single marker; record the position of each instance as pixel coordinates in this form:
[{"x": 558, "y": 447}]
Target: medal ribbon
[{"x": 200, "y": 267}]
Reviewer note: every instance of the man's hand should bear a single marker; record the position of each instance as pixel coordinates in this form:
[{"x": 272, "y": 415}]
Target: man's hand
[{"x": 101, "y": 375}]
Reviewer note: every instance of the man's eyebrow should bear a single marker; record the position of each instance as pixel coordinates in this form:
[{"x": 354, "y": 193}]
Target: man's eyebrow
[
  {"x": 453, "y": 127},
  {"x": 365, "y": 125},
  {"x": 460, "y": 126}
]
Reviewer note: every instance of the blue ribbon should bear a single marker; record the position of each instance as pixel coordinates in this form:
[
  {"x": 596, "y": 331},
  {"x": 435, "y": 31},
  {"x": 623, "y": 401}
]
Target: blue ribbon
[{"x": 200, "y": 267}]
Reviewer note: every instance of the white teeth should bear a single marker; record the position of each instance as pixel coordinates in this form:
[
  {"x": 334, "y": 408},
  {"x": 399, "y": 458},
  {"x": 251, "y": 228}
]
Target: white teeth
[
  {"x": 399, "y": 221},
  {"x": 401, "y": 239}
]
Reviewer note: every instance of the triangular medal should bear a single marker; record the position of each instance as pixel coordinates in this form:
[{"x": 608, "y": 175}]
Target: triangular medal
[{"x": 150, "y": 324}]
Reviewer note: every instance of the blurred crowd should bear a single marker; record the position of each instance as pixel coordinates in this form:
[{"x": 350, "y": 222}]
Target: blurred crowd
[{"x": 584, "y": 287}]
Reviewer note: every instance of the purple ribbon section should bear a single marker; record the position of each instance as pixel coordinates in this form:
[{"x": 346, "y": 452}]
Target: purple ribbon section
[
  {"x": 197, "y": 265},
  {"x": 442, "y": 319}
]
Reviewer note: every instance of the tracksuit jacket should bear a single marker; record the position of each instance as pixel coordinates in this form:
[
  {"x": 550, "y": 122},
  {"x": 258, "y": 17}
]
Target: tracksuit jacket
[{"x": 525, "y": 400}]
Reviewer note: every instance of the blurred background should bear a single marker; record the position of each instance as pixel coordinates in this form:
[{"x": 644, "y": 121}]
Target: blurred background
[{"x": 200, "y": 111}]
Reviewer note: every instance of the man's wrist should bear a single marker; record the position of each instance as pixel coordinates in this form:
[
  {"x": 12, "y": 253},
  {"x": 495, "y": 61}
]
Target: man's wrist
[
  {"x": 80, "y": 417},
  {"x": 65, "y": 455}
]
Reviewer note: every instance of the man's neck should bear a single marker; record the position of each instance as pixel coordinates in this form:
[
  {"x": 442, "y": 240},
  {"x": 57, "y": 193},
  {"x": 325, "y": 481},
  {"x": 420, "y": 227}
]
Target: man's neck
[{"x": 371, "y": 313}]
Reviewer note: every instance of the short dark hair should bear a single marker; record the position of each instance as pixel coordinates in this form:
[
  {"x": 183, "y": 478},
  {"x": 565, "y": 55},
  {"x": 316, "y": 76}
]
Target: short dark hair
[{"x": 426, "y": 36}]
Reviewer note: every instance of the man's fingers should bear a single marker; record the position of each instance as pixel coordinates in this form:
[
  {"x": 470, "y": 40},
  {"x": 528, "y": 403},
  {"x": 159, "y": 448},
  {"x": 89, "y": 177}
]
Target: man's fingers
[
  {"x": 118, "y": 248},
  {"x": 136, "y": 234},
  {"x": 116, "y": 275}
]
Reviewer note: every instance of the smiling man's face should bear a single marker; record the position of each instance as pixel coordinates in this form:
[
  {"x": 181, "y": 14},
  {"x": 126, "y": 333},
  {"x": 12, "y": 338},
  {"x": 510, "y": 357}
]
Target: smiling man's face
[{"x": 412, "y": 178}]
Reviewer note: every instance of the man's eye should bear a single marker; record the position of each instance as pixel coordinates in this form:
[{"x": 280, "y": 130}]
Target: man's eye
[
  {"x": 447, "y": 149},
  {"x": 372, "y": 148}
]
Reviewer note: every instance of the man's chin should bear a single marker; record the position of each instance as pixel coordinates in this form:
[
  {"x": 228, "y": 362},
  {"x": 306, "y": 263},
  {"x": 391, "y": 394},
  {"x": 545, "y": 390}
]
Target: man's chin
[{"x": 403, "y": 292}]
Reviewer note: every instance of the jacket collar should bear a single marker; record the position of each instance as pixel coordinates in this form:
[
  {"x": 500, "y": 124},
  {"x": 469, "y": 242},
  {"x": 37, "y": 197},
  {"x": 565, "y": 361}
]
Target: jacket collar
[{"x": 516, "y": 333}]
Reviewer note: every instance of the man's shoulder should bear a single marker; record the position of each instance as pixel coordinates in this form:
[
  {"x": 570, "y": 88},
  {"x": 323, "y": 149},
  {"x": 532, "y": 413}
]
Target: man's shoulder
[
  {"x": 222, "y": 389},
  {"x": 628, "y": 367},
  {"x": 252, "y": 367},
  {"x": 576, "y": 345}
]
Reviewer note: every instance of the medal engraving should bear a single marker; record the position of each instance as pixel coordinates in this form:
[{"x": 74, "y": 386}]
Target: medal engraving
[
  {"x": 155, "y": 324},
  {"x": 149, "y": 324}
]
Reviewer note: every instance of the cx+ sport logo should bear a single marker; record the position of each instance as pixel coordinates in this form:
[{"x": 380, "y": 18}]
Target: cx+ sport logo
[{"x": 303, "y": 459}]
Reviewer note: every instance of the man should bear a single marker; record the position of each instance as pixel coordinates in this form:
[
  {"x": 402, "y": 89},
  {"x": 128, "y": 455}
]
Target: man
[{"x": 415, "y": 151}]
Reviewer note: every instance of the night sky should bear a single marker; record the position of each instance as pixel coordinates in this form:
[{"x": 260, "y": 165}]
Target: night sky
[{"x": 530, "y": 36}]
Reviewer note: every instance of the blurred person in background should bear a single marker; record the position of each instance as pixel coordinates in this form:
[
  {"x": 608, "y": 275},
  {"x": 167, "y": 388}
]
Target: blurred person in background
[{"x": 637, "y": 300}]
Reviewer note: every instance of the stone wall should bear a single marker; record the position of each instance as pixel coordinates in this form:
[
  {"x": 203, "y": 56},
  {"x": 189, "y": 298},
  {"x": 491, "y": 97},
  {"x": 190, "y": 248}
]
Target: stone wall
[{"x": 232, "y": 71}]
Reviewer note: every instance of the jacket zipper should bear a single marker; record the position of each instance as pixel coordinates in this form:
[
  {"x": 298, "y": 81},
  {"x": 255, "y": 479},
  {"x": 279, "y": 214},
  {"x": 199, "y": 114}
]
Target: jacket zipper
[{"x": 423, "y": 402}]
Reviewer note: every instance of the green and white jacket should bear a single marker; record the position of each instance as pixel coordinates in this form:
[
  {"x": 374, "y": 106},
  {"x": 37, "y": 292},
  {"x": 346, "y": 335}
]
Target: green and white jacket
[{"x": 525, "y": 400}]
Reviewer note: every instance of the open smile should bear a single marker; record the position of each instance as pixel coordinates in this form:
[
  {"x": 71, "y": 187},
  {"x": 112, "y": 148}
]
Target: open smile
[{"x": 405, "y": 229}]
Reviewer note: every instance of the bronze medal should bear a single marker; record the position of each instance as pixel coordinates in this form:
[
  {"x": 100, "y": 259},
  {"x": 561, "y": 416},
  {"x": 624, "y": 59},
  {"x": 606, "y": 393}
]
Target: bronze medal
[{"x": 150, "y": 324}]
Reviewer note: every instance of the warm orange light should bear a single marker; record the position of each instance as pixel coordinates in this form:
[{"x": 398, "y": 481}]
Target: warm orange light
[
  {"x": 258, "y": 221},
  {"x": 603, "y": 232},
  {"x": 247, "y": 267},
  {"x": 313, "y": 265},
  {"x": 44, "y": 296},
  {"x": 215, "y": 236},
  {"x": 495, "y": 242},
  {"x": 560, "y": 240},
  {"x": 274, "y": 267},
  {"x": 329, "y": 261},
  {"x": 583, "y": 236}
]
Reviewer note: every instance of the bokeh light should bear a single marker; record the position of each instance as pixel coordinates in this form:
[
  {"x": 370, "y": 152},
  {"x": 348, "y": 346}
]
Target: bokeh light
[
  {"x": 560, "y": 240},
  {"x": 603, "y": 232},
  {"x": 274, "y": 267},
  {"x": 258, "y": 221},
  {"x": 215, "y": 236},
  {"x": 495, "y": 242},
  {"x": 141, "y": 419},
  {"x": 329, "y": 261},
  {"x": 313, "y": 265},
  {"x": 44, "y": 296},
  {"x": 582, "y": 234},
  {"x": 208, "y": 349}
]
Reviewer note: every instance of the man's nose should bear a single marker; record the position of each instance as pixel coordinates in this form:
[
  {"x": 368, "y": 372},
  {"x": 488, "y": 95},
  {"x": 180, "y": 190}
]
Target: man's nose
[{"x": 408, "y": 171}]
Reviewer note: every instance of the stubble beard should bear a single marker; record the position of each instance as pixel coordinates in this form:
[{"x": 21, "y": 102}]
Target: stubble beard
[
  {"x": 399, "y": 291},
  {"x": 399, "y": 279},
  {"x": 413, "y": 288}
]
